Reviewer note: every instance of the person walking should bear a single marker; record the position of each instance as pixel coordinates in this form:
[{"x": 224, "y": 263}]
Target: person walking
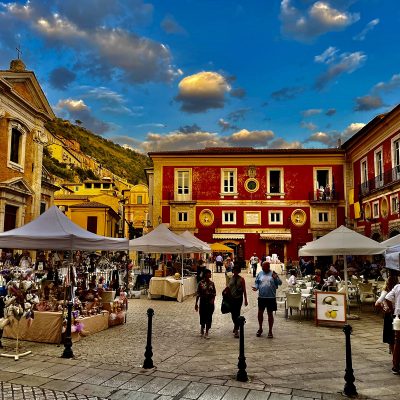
[
  {"x": 388, "y": 333},
  {"x": 219, "y": 260},
  {"x": 206, "y": 294},
  {"x": 237, "y": 291},
  {"x": 266, "y": 283},
  {"x": 393, "y": 300},
  {"x": 253, "y": 264}
]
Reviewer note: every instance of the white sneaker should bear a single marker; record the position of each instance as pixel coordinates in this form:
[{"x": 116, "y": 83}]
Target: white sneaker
[{"x": 206, "y": 336}]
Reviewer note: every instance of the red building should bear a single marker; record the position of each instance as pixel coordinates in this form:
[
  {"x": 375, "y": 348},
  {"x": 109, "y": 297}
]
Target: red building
[
  {"x": 254, "y": 200},
  {"x": 373, "y": 163}
]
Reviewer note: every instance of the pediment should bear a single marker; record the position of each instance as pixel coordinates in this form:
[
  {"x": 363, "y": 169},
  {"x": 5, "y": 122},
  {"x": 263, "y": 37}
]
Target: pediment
[
  {"x": 17, "y": 185},
  {"x": 26, "y": 87}
]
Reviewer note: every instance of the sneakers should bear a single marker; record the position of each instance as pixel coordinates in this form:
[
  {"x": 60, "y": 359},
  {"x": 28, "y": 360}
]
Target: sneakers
[
  {"x": 395, "y": 371},
  {"x": 206, "y": 336}
]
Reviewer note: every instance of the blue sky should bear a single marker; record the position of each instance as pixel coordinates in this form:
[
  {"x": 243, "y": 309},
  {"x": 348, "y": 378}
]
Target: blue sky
[{"x": 184, "y": 74}]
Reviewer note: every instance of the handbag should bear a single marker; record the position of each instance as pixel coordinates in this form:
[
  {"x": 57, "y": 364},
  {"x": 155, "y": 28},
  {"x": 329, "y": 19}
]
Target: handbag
[{"x": 225, "y": 306}]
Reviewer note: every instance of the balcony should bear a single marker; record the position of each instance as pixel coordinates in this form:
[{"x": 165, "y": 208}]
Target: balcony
[
  {"x": 379, "y": 182},
  {"x": 174, "y": 198},
  {"x": 318, "y": 197}
]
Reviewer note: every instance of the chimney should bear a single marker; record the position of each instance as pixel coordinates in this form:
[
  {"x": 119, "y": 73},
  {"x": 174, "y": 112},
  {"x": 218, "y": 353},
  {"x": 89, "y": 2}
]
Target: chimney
[{"x": 339, "y": 143}]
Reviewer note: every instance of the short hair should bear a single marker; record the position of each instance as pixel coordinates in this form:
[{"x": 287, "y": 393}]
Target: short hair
[
  {"x": 206, "y": 271},
  {"x": 266, "y": 263}
]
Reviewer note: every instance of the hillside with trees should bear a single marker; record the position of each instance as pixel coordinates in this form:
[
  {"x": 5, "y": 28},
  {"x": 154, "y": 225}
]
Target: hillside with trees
[{"x": 123, "y": 162}]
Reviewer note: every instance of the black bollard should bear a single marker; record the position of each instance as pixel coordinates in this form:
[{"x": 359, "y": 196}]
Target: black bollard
[
  {"x": 148, "y": 362},
  {"x": 241, "y": 374},
  {"x": 68, "y": 338},
  {"x": 349, "y": 387}
]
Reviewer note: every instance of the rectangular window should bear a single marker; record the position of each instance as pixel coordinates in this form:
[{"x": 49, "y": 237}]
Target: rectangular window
[
  {"x": 275, "y": 217},
  {"x": 15, "y": 153},
  {"x": 375, "y": 209},
  {"x": 88, "y": 185},
  {"x": 396, "y": 157},
  {"x": 97, "y": 185},
  {"x": 42, "y": 207},
  {"x": 10, "y": 217},
  {"x": 364, "y": 175},
  {"x": 378, "y": 168},
  {"x": 394, "y": 204},
  {"x": 323, "y": 217},
  {"x": 140, "y": 200},
  {"x": 229, "y": 217},
  {"x": 274, "y": 181},
  {"x": 182, "y": 216},
  {"x": 76, "y": 188},
  {"x": 92, "y": 224},
  {"x": 228, "y": 181},
  {"x": 183, "y": 182},
  {"x": 106, "y": 185}
]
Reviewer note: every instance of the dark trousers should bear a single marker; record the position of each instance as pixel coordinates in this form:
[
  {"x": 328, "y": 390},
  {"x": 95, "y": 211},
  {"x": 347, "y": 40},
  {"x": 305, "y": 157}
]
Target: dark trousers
[
  {"x": 236, "y": 305},
  {"x": 218, "y": 265},
  {"x": 254, "y": 267},
  {"x": 206, "y": 311}
]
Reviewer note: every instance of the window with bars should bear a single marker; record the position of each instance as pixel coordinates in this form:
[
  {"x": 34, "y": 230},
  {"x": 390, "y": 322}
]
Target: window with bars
[
  {"x": 228, "y": 181},
  {"x": 182, "y": 216},
  {"x": 229, "y": 217},
  {"x": 323, "y": 217}
]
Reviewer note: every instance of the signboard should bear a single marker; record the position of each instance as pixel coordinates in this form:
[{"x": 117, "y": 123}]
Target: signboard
[
  {"x": 330, "y": 307},
  {"x": 252, "y": 217}
]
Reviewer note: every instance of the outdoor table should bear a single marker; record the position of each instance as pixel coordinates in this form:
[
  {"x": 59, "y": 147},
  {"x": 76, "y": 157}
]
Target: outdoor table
[{"x": 171, "y": 287}]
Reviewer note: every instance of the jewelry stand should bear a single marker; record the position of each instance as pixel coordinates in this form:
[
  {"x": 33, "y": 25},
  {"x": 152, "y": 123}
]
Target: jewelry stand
[{"x": 17, "y": 355}]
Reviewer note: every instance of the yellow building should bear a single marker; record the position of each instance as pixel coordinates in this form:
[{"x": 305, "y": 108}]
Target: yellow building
[
  {"x": 63, "y": 155},
  {"x": 136, "y": 209},
  {"x": 96, "y": 217}
]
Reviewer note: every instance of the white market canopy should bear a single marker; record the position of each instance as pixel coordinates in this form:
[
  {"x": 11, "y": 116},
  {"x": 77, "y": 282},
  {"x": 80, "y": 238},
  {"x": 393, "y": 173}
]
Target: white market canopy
[
  {"x": 392, "y": 256},
  {"x": 342, "y": 241},
  {"x": 392, "y": 244},
  {"x": 196, "y": 241},
  {"x": 162, "y": 240},
  {"x": 52, "y": 230}
]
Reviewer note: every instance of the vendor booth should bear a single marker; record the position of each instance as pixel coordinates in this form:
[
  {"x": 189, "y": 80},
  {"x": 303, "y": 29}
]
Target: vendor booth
[
  {"x": 37, "y": 294},
  {"x": 162, "y": 240}
]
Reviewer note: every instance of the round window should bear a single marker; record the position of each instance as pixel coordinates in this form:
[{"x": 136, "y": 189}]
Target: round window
[{"x": 251, "y": 185}]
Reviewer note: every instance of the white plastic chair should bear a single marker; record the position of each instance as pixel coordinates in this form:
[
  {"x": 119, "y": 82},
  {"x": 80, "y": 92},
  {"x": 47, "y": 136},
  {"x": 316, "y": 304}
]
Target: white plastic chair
[{"x": 293, "y": 301}]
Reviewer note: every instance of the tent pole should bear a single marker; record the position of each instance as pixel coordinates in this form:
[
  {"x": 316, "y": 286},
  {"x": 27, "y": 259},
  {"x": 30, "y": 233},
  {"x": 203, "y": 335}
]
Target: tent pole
[{"x": 346, "y": 284}]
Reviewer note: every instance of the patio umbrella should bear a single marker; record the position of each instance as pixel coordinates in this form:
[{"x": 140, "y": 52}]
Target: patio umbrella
[
  {"x": 220, "y": 247},
  {"x": 344, "y": 242}
]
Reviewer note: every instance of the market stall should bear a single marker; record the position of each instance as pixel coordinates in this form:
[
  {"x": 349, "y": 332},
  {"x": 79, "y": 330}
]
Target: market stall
[
  {"x": 162, "y": 240},
  {"x": 43, "y": 319},
  {"x": 171, "y": 287}
]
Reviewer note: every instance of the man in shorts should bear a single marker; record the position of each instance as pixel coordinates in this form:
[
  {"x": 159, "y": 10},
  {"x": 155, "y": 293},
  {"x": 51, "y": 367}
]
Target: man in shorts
[{"x": 266, "y": 283}]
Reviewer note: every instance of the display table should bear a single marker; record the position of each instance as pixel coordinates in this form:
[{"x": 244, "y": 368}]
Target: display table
[
  {"x": 46, "y": 327},
  {"x": 172, "y": 287}
]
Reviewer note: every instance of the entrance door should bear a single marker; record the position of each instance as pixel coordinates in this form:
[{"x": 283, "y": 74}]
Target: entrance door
[
  {"x": 10, "y": 217},
  {"x": 277, "y": 248}
]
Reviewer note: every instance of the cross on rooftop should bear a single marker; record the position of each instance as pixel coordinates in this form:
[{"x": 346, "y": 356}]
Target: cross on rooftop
[{"x": 19, "y": 51}]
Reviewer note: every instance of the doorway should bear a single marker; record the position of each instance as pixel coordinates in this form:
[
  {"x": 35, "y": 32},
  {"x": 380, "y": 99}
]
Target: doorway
[
  {"x": 277, "y": 248},
  {"x": 10, "y": 217}
]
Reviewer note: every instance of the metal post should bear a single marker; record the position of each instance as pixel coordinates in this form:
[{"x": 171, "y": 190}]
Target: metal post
[
  {"x": 68, "y": 338},
  {"x": 349, "y": 387},
  {"x": 148, "y": 362},
  {"x": 241, "y": 374}
]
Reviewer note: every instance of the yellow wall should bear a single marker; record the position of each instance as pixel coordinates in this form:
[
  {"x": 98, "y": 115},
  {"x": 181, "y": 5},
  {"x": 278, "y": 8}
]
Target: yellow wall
[{"x": 106, "y": 223}]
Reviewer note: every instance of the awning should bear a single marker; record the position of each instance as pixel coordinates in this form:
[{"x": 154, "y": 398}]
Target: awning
[
  {"x": 228, "y": 235},
  {"x": 276, "y": 236}
]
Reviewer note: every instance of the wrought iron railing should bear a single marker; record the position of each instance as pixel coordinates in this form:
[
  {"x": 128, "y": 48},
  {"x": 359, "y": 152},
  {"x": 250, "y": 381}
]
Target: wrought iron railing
[
  {"x": 320, "y": 195},
  {"x": 380, "y": 181}
]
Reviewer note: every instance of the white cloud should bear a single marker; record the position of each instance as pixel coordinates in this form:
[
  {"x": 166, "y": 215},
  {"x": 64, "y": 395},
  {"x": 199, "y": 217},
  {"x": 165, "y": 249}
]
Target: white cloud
[
  {"x": 250, "y": 138},
  {"x": 347, "y": 63},
  {"x": 72, "y": 105},
  {"x": 310, "y": 112},
  {"x": 371, "y": 25},
  {"x": 328, "y": 56},
  {"x": 331, "y": 139},
  {"x": 308, "y": 125},
  {"x": 320, "y": 18},
  {"x": 392, "y": 84},
  {"x": 202, "y": 91}
]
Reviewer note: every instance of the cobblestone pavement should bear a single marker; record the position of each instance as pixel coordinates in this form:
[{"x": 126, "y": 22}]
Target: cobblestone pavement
[{"x": 301, "y": 362}]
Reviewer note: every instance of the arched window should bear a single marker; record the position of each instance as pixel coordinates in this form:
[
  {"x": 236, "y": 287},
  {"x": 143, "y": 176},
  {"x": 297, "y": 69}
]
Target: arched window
[{"x": 15, "y": 150}]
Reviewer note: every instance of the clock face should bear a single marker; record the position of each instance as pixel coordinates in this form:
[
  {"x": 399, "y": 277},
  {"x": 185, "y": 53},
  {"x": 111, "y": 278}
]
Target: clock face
[
  {"x": 206, "y": 217},
  {"x": 298, "y": 217}
]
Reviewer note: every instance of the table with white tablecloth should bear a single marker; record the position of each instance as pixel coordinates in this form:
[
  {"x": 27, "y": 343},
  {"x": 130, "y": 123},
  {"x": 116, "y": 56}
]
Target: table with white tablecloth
[{"x": 171, "y": 287}]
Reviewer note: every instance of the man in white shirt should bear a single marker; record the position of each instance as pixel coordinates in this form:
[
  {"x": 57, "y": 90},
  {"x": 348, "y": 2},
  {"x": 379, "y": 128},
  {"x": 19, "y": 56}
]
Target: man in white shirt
[
  {"x": 219, "y": 260},
  {"x": 393, "y": 298},
  {"x": 254, "y": 263}
]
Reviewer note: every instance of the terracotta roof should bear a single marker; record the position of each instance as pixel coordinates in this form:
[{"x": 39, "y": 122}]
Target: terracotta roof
[
  {"x": 243, "y": 150},
  {"x": 90, "y": 204},
  {"x": 71, "y": 197}
]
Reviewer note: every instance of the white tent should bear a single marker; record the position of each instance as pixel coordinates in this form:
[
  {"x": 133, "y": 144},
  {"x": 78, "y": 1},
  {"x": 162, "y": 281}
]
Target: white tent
[
  {"x": 342, "y": 241},
  {"x": 52, "y": 230},
  {"x": 162, "y": 240},
  {"x": 392, "y": 244},
  {"x": 196, "y": 241}
]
